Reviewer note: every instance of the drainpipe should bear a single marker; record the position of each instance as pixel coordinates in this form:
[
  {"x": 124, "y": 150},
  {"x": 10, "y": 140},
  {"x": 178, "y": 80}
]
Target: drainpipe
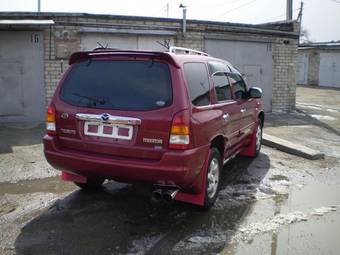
[
  {"x": 39, "y": 5},
  {"x": 184, "y": 24}
]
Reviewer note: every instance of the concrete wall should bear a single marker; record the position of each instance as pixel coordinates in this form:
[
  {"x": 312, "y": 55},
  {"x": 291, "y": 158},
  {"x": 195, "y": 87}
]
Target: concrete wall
[{"x": 63, "y": 38}]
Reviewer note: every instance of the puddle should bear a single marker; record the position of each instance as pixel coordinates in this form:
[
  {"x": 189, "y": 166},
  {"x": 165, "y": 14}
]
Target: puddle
[
  {"x": 279, "y": 178},
  {"x": 48, "y": 185},
  {"x": 6, "y": 208},
  {"x": 323, "y": 117},
  {"x": 269, "y": 216}
]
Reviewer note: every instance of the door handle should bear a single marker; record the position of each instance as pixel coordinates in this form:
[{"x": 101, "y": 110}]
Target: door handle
[
  {"x": 225, "y": 116},
  {"x": 243, "y": 110}
]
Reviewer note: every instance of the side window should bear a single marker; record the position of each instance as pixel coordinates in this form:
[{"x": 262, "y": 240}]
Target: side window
[
  {"x": 222, "y": 87},
  {"x": 239, "y": 87},
  {"x": 217, "y": 67},
  {"x": 198, "y": 82}
]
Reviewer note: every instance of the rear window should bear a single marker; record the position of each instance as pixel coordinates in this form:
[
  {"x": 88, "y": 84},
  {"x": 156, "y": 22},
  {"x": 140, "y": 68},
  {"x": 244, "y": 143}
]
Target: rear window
[{"x": 118, "y": 85}]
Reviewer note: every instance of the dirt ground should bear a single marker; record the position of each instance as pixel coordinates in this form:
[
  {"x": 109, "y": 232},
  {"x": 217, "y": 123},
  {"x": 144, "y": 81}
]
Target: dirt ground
[{"x": 274, "y": 204}]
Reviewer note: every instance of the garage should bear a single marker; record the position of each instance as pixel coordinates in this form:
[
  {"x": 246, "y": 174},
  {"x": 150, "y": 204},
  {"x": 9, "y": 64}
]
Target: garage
[
  {"x": 89, "y": 41},
  {"x": 253, "y": 59},
  {"x": 22, "y": 89},
  {"x": 329, "y": 70},
  {"x": 302, "y": 65}
]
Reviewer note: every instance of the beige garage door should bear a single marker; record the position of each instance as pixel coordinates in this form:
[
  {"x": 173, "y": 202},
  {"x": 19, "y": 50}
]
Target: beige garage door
[
  {"x": 89, "y": 41},
  {"x": 253, "y": 59},
  {"x": 22, "y": 89}
]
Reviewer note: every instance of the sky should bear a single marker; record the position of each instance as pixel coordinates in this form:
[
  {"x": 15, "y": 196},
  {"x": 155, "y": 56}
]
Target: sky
[{"x": 321, "y": 18}]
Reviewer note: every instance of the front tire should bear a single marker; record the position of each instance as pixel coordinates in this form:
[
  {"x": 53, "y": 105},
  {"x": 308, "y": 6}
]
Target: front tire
[
  {"x": 258, "y": 138},
  {"x": 213, "y": 178}
]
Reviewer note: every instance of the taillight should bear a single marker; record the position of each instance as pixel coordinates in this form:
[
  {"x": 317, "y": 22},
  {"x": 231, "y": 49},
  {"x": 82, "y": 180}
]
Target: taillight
[
  {"x": 50, "y": 120},
  {"x": 180, "y": 132}
]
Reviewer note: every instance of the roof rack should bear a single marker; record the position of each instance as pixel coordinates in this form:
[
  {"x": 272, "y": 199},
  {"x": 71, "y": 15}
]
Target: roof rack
[{"x": 188, "y": 51}]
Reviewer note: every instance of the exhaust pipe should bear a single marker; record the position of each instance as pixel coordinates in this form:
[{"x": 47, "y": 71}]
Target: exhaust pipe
[
  {"x": 157, "y": 195},
  {"x": 170, "y": 194}
]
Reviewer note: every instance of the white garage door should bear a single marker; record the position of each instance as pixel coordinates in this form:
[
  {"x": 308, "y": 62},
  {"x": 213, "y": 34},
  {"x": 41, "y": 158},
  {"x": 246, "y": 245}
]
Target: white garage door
[
  {"x": 329, "y": 70},
  {"x": 89, "y": 41},
  {"x": 253, "y": 59},
  {"x": 302, "y": 74},
  {"x": 22, "y": 89}
]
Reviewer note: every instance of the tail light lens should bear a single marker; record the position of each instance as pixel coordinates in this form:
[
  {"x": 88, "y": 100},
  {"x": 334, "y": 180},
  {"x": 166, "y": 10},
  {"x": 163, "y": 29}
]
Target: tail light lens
[
  {"x": 50, "y": 120},
  {"x": 180, "y": 132}
]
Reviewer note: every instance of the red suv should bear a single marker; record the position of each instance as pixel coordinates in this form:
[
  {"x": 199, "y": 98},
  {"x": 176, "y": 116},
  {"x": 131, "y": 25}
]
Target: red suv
[{"x": 170, "y": 119}]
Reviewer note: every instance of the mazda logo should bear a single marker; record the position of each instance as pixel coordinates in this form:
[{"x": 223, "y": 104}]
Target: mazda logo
[{"x": 105, "y": 116}]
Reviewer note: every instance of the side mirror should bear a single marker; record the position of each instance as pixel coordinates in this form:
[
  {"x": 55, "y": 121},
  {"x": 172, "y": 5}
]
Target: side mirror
[{"x": 255, "y": 92}]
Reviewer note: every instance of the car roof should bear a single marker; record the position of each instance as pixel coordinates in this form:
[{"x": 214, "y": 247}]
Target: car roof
[{"x": 176, "y": 59}]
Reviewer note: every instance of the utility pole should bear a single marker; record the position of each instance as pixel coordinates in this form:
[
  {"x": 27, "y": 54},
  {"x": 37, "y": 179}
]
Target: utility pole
[
  {"x": 184, "y": 8},
  {"x": 39, "y": 5},
  {"x": 289, "y": 10},
  {"x": 167, "y": 7},
  {"x": 299, "y": 19}
]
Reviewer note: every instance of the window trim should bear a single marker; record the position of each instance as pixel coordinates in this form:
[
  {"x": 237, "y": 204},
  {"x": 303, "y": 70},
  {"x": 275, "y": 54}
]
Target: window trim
[{"x": 232, "y": 87}]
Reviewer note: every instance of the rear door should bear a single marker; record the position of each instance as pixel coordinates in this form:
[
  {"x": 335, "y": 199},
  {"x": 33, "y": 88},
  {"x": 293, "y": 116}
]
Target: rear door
[
  {"x": 120, "y": 108},
  {"x": 205, "y": 118}
]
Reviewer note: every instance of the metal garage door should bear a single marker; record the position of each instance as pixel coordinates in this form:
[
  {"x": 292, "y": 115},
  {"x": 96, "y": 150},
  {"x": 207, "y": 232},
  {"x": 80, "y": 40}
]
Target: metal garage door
[
  {"x": 22, "y": 89},
  {"x": 302, "y": 74},
  {"x": 252, "y": 58},
  {"x": 329, "y": 70},
  {"x": 89, "y": 41}
]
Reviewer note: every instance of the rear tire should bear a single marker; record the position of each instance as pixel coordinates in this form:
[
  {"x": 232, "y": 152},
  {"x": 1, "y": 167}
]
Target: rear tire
[
  {"x": 91, "y": 184},
  {"x": 213, "y": 178}
]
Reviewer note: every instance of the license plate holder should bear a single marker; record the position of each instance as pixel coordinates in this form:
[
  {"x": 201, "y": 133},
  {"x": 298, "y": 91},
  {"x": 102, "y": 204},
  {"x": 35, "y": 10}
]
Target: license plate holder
[{"x": 116, "y": 131}]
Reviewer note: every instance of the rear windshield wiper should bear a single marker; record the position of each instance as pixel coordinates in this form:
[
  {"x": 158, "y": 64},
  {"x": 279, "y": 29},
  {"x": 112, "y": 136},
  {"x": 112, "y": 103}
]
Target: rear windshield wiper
[{"x": 93, "y": 100}]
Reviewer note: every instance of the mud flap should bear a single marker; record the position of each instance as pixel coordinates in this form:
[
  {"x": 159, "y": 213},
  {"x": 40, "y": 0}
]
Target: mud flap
[
  {"x": 250, "y": 151},
  {"x": 199, "y": 198},
  {"x": 71, "y": 177}
]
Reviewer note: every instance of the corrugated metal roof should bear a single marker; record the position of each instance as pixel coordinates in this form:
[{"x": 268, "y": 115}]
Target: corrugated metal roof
[
  {"x": 320, "y": 45},
  {"x": 26, "y": 22}
]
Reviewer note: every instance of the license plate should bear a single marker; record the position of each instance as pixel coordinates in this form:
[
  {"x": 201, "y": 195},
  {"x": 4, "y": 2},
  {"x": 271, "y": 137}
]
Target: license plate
[{"x": 117, "y": 131}]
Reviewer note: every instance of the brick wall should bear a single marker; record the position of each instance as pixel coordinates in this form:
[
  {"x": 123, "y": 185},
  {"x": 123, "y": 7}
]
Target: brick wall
[
  {"x": 61, "y": 40},
  {"x": 284, "y": 73}
]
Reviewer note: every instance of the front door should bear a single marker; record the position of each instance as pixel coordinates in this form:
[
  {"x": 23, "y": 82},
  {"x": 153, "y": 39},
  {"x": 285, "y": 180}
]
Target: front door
[
  {"x": 245, "y": 104},
  {"x": 230, "y": 111}
]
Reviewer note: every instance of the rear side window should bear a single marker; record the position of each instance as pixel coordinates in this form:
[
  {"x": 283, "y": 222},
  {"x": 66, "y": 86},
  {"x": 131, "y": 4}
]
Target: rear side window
[
  {"x": 222, "y": 87},
  {"x": 197, "y": 79},
  {"x": 118, "y": 84},
  {"x": 239, "y": 86}
]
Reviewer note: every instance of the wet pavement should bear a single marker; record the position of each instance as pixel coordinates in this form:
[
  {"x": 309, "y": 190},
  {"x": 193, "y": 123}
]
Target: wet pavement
[{"x": 274, "y": 204}]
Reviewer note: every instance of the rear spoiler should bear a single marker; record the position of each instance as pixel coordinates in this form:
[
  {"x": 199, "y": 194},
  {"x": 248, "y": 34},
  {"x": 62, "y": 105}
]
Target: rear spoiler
[{"x": 84, "y": 55}]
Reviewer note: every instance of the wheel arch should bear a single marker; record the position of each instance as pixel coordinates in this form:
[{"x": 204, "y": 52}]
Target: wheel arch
[
  {"x": 261, "y": 117},
  {"x": 218, "y": 142}
]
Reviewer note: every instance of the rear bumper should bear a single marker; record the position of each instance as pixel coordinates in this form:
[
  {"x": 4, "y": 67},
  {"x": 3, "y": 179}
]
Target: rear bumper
[{"x": 175, "y": 168}]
